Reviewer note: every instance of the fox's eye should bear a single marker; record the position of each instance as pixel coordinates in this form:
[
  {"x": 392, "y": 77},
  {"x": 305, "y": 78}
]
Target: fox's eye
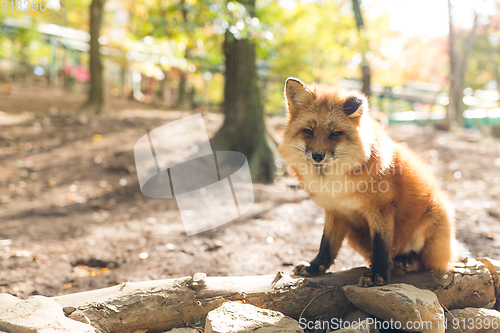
[
  {"x": 308, "y": 131},
  {"x": 337, "y": 133}
]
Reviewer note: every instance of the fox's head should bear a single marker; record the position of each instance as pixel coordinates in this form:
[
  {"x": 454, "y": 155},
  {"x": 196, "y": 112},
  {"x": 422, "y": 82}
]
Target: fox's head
[{"x": 328, "y": 127}]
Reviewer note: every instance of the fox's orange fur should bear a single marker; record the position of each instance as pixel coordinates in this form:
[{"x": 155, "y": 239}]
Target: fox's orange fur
[{"x": 379, "y": 195}]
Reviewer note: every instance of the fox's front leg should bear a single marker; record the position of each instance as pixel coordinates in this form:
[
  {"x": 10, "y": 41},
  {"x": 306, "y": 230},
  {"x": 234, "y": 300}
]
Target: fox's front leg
[
  {"x": 333, "y": 234},
  {"x": 382, "y": 231}
]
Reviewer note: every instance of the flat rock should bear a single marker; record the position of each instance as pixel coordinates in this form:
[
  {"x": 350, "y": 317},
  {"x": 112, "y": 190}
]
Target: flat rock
[
  {"x": 473, "y": 320},
  {"x": 412, "y": 309},
  {"x": 184, "y": 330},
  {"x": 39, "y": 314},
  {"x": 235, "y": 317},
  {"x": 494, "y": 267},
  {"x": 7, "y": 301},
  {"x": 473, "y": 286}
]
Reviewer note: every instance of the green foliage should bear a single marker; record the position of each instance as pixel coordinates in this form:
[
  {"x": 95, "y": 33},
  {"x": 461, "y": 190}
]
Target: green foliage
[
  {"x": 21, "y": 43},
  {"x": 316, "y": 41},
  {"x": 313, "y": 41},
  {"x": 484, "y": 61},
  {"x": 215, "y": 90},
  {"x": 72, "y": 13}
]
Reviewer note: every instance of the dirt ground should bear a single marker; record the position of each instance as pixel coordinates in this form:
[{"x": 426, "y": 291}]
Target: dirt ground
[{"x": 72, "y": 217}]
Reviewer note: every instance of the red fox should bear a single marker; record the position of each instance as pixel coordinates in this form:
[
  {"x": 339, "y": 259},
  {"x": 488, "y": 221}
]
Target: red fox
[{"x": 375, "y": 192}]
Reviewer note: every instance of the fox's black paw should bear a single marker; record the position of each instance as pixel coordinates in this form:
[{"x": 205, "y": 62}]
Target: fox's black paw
[
  {"x": 308, "y": 269},
  {"x": 406, "y": 263},
  {"x": 370, "y": 280}
]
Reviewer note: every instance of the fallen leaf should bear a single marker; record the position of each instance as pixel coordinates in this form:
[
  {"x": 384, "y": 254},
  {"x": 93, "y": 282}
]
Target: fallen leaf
[{"x": 68, "y": 285}]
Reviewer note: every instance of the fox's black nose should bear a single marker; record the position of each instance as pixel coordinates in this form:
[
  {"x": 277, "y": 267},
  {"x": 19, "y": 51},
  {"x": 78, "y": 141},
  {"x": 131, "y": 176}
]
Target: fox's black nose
[{"x": 318, "y": 157}]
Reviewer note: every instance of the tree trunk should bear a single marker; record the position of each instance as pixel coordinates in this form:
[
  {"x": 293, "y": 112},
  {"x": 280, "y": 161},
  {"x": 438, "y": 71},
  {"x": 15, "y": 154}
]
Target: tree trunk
[
  {"x": 165, "y": 304},
  {"x": 363, "y": 42},
  {"x": 458, "y": 67},
  {"x": 244, "y": 127},
  {"x": 183, "y": 101},
  {"x": 161, "y": 90},
  {"x": 453, "y": 104},
  {"x": 367, "y": 77},
  {"x": 95, "y": 103}
]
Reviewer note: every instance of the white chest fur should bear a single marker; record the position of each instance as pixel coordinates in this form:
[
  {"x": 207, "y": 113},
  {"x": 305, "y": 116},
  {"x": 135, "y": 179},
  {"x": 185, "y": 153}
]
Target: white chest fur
[{"x": 335, "y": 192}]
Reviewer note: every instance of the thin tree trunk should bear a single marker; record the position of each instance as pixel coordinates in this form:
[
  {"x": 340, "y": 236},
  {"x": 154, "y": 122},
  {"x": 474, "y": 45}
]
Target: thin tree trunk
[
  {"x": 458, "y": 67},
  {"x": 367, "y": 77},
  {"x": 184, "y": 95},
  {"x": 183, "y": 100},
  {"x": 244, "y": 127},
  {"x": 462, "y": 69},
  {"x": 365, "y": 66},
  {"x": 95, "y": 103},
  {"x": 161, "y": 90}
]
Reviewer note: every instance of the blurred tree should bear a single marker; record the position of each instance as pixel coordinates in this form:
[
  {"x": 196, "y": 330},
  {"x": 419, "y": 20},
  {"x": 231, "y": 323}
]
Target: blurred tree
[
  {"x": 69, "y": 14},
  {"x": 188, "y": 26},
  {"x": 312, "y": 41},
  {"x": 185, "y": 100},
  {"x": 24, "y": 37},
  {"x": 244, "y": 127},
  {"x": 364, "y": 48},
  {"x": 458, "y": 57},
  {"x": 484, "y": 63},
  {"x": 96, "y": 103},
  {"x": 19, "y": 40},
  {"x": 422, "y": 59}
]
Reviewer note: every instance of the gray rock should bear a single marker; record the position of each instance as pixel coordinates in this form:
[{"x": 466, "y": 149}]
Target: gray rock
[
  {"x": 473, "y": 286},
  {"x": 473, "y": 320},
  {"x": 410, "y": 308},
  {"x": 7, "y": 301},
  {"x": 494, "y": 267},
  {"x": 361, "y": 316},
  {"x": 235, "y": 317},
  {"x": 184, "y": 330},
  {"x": 356, "y": 315},
  {"x": 359, "y": 327},
  {"x": 39, "y": 314}
]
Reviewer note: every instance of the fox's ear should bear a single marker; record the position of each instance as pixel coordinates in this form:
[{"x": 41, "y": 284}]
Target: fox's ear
[
  {"x": 297, "y": 94},
  {"x": 354, "y": 106}
]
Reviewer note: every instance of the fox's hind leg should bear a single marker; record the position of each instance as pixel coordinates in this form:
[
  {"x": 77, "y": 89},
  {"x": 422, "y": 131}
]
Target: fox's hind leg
[{"x": 439, "y": 250}]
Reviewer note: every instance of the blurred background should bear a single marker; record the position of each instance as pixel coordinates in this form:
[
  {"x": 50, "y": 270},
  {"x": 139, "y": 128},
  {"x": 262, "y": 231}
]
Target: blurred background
[
  {"x": 169, "y": 53},
  {"x": 82, "y": 80}
]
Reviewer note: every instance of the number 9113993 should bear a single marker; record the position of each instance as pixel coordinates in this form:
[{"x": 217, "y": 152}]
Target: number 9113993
[{"x": 22, "y": 5}]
